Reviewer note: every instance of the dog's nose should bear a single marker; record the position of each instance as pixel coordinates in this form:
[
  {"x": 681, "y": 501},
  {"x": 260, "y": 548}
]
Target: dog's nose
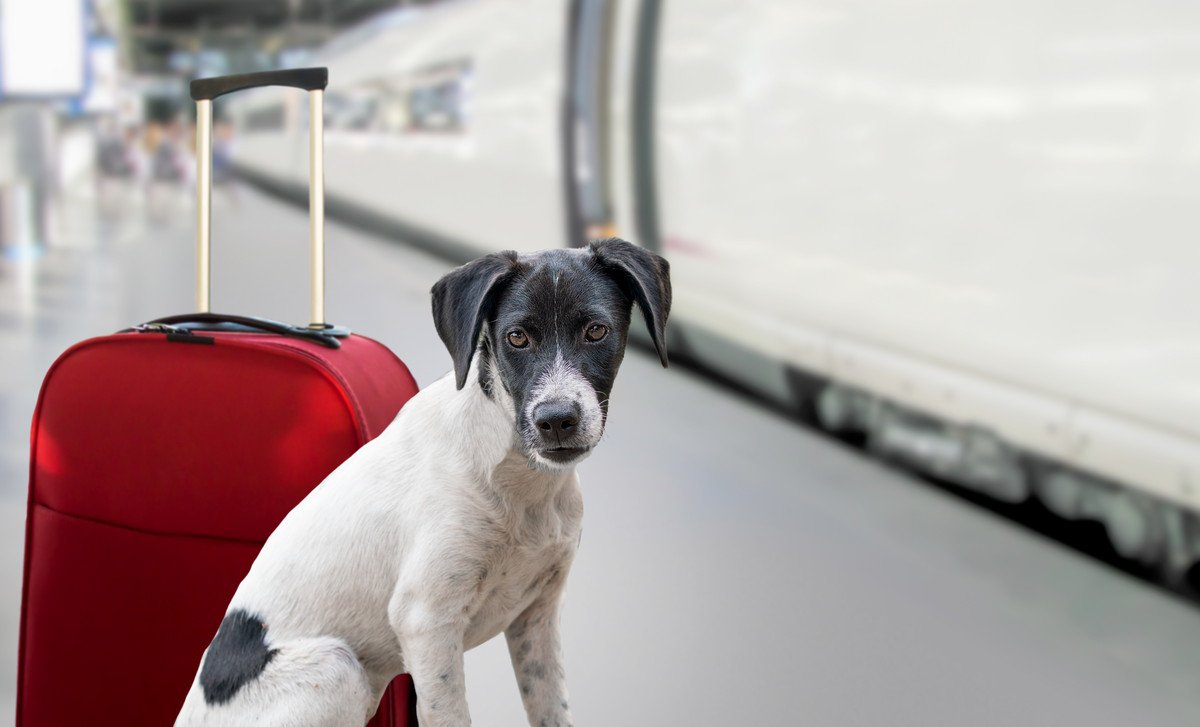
[{"x": 556, "y": 419}]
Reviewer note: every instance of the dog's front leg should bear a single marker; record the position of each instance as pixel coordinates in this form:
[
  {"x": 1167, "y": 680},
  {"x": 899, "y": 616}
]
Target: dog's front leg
[
  {"x": 533, "y": 644},
  {"x": 434, "y": 658}
]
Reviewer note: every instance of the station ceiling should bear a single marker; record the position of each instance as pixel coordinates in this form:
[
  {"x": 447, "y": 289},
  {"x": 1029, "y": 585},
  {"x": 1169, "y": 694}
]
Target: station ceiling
[{"x": 245, "y": 30}]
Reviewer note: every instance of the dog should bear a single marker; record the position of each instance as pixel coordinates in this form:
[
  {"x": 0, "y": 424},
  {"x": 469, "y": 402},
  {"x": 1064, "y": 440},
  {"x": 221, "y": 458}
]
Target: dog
[{"x": 458, "y": 522}]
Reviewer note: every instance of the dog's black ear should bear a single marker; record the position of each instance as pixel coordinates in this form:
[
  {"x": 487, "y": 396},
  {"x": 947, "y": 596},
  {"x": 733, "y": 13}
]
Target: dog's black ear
[
  {"x": 462, "y": 301},
  {"x": 645, "y": 278}
]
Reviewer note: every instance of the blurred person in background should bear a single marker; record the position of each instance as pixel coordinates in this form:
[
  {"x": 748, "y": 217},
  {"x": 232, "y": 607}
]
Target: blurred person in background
[
  {"x": 171, "y": 170},
  {"x": 119, "y": 162},
  {"x": 170, "y": 164}
]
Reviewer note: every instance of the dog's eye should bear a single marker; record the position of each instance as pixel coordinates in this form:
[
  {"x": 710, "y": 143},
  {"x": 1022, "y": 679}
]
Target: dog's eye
[
  {"x": 517, "y": 339},
  {"x": 595, "y": 332}
]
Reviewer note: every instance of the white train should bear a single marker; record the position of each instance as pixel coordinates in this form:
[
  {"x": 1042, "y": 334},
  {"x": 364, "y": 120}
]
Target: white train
[{"x": 966, "y": 230}]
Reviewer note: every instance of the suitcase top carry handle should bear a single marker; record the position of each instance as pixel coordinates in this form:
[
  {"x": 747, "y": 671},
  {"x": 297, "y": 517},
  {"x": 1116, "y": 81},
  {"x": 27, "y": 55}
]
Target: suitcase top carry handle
[
  {"x": 204, "y": 90},
  {"x": 189, "y": 322},
  {"x": 309, "y": 79}
]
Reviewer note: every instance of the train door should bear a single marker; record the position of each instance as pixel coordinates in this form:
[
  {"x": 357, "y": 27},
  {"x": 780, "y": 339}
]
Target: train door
[
  {"x": 712, "y": 152},
  {"x": 586, "y": 157}
]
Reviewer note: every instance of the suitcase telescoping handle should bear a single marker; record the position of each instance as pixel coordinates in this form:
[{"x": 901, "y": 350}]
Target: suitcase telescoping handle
[{"x": 204, "y": 90}]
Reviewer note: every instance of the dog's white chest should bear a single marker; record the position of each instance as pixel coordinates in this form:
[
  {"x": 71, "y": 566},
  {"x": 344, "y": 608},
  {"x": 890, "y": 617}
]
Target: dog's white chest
[
  {"x": 512, "y": 584},
  {"x": 533, "y": 545}
]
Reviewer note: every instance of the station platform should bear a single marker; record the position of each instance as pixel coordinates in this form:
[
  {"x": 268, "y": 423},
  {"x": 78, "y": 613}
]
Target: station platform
[{"x": 735, "y": 569}]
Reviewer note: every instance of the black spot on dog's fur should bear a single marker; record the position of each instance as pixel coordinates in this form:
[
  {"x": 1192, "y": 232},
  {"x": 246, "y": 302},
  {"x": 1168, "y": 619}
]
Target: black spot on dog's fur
[
  {"x": 535, "y": 670},
  {"x": 237, "y": 655}
]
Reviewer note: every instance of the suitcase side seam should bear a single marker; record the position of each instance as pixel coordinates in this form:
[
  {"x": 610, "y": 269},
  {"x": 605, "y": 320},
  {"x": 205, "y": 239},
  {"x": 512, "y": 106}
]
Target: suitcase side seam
[{"x": 143, "y": 531}]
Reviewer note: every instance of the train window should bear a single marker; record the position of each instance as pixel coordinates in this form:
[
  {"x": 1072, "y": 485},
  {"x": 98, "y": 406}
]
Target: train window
[
  {"x": 435, "y": 108},
  {"x": 354, "y": 110},
  {"x": 435, "y": 98},
  {"x": 431, "y": 99}
]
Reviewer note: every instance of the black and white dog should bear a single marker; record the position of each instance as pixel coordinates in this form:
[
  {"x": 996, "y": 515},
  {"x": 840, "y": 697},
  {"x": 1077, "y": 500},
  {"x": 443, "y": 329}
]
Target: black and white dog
[{"x": 458, "y": 522}]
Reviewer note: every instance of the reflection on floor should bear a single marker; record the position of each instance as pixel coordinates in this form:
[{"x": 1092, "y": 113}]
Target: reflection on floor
[{"x": 735, "y": 569}]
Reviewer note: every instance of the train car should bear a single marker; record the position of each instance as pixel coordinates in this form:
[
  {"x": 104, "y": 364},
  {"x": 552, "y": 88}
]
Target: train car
[{"x": 963, "y": 231}]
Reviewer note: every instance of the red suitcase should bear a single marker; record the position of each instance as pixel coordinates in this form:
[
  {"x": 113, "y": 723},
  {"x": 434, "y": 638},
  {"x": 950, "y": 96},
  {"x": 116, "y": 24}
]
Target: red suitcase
[{"x": 162, "y": 458}]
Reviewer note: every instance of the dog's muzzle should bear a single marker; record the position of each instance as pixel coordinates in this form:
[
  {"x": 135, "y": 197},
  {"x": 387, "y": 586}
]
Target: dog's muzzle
[{"x": 558, "y": 430}]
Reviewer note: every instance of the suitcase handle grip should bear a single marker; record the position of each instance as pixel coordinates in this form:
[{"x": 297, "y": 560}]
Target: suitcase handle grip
[
  {"x": 224, "y": 322},
  {"x": 309, "y": 79},
  {"x": 204, "y": 90}
]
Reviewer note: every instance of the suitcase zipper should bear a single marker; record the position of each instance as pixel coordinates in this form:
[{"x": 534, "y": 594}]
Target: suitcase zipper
[{"x": 175, "y": 334}]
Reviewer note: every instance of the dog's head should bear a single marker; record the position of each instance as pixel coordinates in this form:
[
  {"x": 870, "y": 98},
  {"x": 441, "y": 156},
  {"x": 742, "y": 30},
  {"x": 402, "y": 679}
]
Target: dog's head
[{"x": 549, "y": 330}]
